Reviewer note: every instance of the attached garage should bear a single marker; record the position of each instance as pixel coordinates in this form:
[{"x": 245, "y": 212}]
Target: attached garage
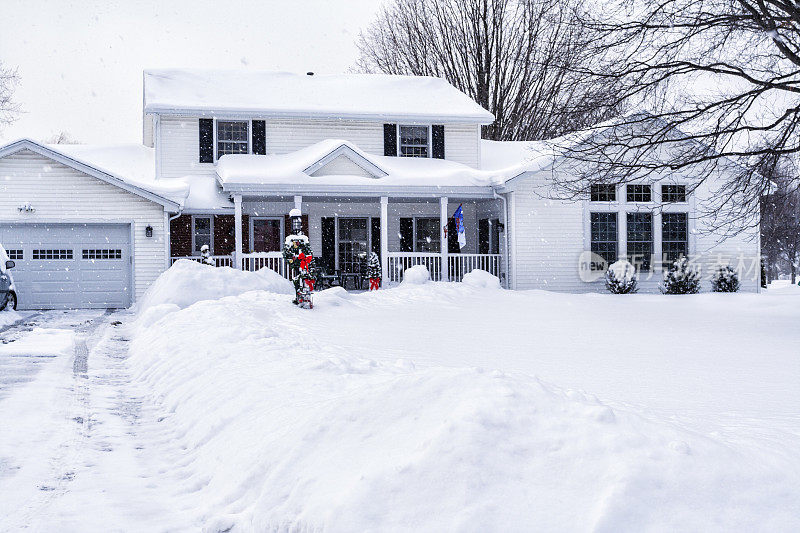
[
  {"x": 81, "y": 237},
  {"x": 65, "y": 266}
]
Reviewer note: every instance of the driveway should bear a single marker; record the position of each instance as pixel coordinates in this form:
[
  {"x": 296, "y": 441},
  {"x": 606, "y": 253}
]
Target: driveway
[{"x": 78, "y": 451}]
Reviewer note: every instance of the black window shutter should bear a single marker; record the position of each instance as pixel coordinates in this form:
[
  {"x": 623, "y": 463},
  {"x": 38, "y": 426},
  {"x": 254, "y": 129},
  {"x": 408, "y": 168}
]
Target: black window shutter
[
  {"x": 375, "y": 231},
  {"x": 259, "y": 137},
  {"x": 483, "y": 236},
  {"x": 206, "y": 140},
  {"x": 406, "y": 234},
  {"x": 437, "y": 141},
  {"x": 390, "y": 139},
  {"x": 328, "y": 244}
]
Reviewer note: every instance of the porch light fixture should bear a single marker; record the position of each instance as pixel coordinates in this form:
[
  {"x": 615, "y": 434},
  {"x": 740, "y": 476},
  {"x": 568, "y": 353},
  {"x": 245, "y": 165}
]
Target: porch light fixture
[
  {"x": 148, "y": 231},
  {"x": 297, "y": 221}
]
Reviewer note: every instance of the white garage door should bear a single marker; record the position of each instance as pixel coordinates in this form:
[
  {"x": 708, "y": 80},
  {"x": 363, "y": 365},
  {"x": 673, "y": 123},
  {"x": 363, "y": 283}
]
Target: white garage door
[{"x": 64, "y": 266}]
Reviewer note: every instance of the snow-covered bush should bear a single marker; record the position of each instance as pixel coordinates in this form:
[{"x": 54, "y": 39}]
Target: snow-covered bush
[
  {"x": 682, "y": 278},
  {"x": 621, "y": 278},
  {"x": 416, "y": 275},
  {"x": 481, "y": 279},
  {"x": 187, "y": 282},
  {"x": 725, "y": 279}
]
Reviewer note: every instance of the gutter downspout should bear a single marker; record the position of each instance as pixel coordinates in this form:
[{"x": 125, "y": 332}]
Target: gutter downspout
[
  {"x": 168, "y": 234},
  {"x": 505, "y": 235}
]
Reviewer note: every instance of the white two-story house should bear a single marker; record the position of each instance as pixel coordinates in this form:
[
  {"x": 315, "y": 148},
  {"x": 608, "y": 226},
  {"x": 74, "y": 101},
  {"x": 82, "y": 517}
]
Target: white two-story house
[{"x": 373, "y": 162}]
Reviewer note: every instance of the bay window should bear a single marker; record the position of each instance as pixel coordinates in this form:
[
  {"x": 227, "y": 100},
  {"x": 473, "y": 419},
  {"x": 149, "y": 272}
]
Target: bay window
[
  {"x": 674, "y": 236},
  {"x": 640, "y": 239},
  {"x": 604, "y": 236}
]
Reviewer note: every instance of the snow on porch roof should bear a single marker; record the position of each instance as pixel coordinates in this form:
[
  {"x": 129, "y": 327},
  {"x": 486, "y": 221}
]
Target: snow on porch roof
[
  {"x": 352, "y": 96},
  {"x": 236, "y": 172}
]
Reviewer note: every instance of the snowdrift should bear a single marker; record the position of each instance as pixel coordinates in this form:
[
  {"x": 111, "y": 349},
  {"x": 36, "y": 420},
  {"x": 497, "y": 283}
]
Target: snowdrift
[
  {"x": 284, "y": 433},
  {"x": 188, "y": 282}
]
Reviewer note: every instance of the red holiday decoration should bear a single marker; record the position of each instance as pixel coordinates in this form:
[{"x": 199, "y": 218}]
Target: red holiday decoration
[
  {"x": 374, "y": 284},
  {"x": 305, "y": 260}
]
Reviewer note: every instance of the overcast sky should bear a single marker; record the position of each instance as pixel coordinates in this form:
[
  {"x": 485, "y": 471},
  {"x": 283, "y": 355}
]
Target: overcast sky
[{"x": 80, "y": 63}]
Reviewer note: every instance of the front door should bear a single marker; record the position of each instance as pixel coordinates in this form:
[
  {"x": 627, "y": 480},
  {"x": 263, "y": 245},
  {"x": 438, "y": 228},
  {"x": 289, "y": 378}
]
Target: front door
[
  {"x": 267, "y": 235},
  {"x": 353, "y": 243}
]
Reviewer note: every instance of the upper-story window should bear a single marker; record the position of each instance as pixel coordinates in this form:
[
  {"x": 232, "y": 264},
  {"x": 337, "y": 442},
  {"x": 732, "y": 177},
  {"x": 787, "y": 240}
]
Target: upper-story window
[
  {"x": 414, "y": 141},
  {"x": 638, "y": 193},
  {"x": 232, "y": 137},
  {"x": 673, "y": 193},
  {"x": 604, "y": 192}
]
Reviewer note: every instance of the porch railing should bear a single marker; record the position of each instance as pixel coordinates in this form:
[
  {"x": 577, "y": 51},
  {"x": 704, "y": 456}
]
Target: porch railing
[
  {"x": 272, "y": 260},
  {"x": 219, "y": 260},
  {"x": 460, "y": 264},
  {"x": 400, "y": 261},
  {"x": 457, "y": 264}
]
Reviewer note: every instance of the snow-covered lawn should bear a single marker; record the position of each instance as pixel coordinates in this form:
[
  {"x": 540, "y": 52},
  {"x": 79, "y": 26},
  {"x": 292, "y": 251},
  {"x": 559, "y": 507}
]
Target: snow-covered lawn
[
  {"x": 453, "y": 407},
  {"x": 426, "y": 407}
]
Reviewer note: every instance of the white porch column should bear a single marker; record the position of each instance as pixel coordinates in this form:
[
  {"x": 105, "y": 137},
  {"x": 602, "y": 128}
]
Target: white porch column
[
  {"x": 385, "y": 239},
  {"x": 443, "y": 235},
  {"x": 237, "y": 230}
]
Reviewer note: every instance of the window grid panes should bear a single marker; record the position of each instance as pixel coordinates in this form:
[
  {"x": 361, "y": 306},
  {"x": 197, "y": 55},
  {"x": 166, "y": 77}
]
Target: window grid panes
[
  {"x": 232, "y": 137},
  {"x": 413, "y": 141},
  {"x": 640, "y": 239},
  {"x": 427, "y": 238},
  {"x": 102, "y": 254},
  {"x": 604, "y": 235},
  {"x": 674, "y": 236},
  {"x": 52, "y": 254},
  {"x": 673, "y": 193},
  {"x": 638, "y": 193},
  {"x": 15, "y": 255},
  {"x": 202, "y": 233},
  {"x": 604, "y": 193}
]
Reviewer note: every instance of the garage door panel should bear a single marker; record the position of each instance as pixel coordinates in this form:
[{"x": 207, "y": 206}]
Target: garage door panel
[{"x": 71, "y": 265}]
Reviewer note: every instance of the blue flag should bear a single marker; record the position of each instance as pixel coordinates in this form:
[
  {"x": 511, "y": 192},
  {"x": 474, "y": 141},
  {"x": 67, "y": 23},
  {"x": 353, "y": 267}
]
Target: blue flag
[{"x": 459, "y": 218}]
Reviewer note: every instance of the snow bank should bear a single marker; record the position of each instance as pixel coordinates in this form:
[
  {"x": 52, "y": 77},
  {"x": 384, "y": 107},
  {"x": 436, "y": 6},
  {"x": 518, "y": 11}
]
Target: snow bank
[
  {"x": 187, "y": 282},
  {"x": 41, "y": 342},
  {"x": 481, "y": 280},
  {"x": 416, "y": 275},
  {"x": 280, "y": 431}
]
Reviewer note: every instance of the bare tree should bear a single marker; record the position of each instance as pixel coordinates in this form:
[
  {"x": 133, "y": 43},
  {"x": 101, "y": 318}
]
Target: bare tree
[
  {"x": 8, "y": 82},
  {"x": 721, "y": 82},
  {"x": 780, "y": 217},
  {"x": 523, "y": 60},
  {"x": 62, "y": 137}
]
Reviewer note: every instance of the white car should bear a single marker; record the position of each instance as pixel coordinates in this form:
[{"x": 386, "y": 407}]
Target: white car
[{"x": 8, "y": 293}]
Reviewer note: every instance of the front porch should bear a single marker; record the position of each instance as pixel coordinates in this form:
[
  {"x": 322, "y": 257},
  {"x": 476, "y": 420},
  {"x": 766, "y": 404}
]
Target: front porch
[{"x": 404, "y": 232}]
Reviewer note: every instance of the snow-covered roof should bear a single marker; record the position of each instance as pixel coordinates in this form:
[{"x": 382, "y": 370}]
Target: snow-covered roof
[
  {"x": 128, "y": 166},
  {"x": 273, "y": 172},
  {"x": 509, "y": 156},
  {"x": 351, "y": 96}
]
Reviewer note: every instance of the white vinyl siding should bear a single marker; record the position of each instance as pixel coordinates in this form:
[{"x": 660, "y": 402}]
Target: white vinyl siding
[
  {"x": 179, "y": 150},
  {"x": 550, "y": 235},
  {"x": 61, "y": 194},
  {"x": 147, "y": 131}
]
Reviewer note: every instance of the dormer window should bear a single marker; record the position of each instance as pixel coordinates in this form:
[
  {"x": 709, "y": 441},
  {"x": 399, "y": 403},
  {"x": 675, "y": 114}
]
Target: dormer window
[
  {"x": 232, "y": 137},
  {"x": 414, "y": 141}
]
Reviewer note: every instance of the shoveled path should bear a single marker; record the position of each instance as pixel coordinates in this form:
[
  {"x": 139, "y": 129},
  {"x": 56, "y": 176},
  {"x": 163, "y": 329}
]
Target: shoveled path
[{"x": 79, "y": 449}]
